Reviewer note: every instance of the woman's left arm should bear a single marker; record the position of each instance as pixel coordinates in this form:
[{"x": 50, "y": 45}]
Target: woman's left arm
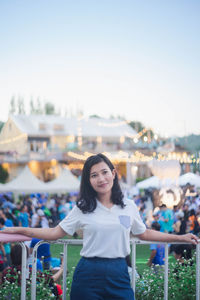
[{"x": 157, "y": 236}]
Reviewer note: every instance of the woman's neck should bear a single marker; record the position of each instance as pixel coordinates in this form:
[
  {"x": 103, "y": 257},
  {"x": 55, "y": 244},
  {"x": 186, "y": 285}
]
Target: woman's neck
[{"x": 105, "y": 199}]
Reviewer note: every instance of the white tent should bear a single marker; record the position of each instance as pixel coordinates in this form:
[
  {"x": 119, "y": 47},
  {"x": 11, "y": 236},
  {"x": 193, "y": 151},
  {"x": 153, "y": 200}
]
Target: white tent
[
  {"x": 155, "y": 182},
  {"x": 191, "y": 178},
  {"x": 65, "y": 182},
  {"x": 25, "y": 182}
]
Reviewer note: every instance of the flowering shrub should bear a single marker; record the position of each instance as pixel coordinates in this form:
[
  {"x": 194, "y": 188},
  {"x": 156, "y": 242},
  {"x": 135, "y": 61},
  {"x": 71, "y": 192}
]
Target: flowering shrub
[
  {"x": 69, "y": 280},
  {"x": 181, "y": 282},
  {"x": 11, "y": 286}
]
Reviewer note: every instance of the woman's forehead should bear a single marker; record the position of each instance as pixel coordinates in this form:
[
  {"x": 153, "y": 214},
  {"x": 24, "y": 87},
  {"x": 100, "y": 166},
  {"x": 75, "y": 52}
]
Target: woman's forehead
[{"x": 99, "y": 167}]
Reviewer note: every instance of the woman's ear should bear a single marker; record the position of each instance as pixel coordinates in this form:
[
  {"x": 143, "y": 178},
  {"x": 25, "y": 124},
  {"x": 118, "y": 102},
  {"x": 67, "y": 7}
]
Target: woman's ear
[{"x": 114, "y": 173}]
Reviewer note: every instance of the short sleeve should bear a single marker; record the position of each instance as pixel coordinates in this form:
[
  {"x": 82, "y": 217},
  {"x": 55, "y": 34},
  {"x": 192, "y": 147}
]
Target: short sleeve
[
  {"x": 153, "y": 247},
  {"x": 138, "y": 226},
  {"x": 71, "y": 222}
]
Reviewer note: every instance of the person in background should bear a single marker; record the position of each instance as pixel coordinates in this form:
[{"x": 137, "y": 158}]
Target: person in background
[
  {"x": 8, "y": 222},
  {"x": 6, "y": 246},
  {"x": 42, "y": 221},
  {"x": 180, "y": 225},
  {"x": 182, "y": 252},
  {"x": 186, "y": 211},
  {"x": 157, "y": 255},
  {"x": 175, "y": 212},
  {"x": 107, "y": 220},
  {"x": 23, "y": 217},
  {"x": 3, "y": 260},
  {"x": 156, "y": 218},
  {"x": 167, "y": 219},
  {"x": 43, "y": 253},
  {"x": 191, "y": 220}
]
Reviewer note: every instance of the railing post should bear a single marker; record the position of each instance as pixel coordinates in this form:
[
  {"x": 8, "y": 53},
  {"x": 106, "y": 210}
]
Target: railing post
[
  {"x": 23, "y": 271},
  {"x": 34, "y": 271},
  {"x": 166, "y": 273},
  {"x": 64, "y": 296},
  {"x": 198, "y": 271},
  {"x": 133, "y": 262}
]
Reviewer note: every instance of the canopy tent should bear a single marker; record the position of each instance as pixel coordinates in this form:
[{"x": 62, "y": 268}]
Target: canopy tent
[
  {"x": 65, "y": 182},
  {"x": 25, "y": 182},
  {"x": 155, "y": 182},
  {"x": 190, "y": 178}
]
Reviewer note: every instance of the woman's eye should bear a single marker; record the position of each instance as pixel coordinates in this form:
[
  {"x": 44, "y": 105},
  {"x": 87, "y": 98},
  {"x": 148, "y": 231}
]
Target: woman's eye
[
  {"x": 93, "y": 176},
  {"x": 104, "y": 172}
]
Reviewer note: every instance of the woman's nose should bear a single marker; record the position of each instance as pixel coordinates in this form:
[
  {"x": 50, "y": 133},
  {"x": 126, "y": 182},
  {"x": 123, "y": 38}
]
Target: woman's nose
[{"x": 100, "y": 178}]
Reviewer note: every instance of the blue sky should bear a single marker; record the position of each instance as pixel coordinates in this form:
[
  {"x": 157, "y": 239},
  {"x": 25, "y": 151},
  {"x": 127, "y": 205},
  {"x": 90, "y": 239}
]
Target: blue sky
[{"x": 138, "y": 59}]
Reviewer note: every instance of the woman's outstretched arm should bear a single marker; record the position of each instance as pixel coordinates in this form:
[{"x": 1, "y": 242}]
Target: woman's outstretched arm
[
  {"x": 157, "y": 236},
  {"x": 40, "y": 233}
]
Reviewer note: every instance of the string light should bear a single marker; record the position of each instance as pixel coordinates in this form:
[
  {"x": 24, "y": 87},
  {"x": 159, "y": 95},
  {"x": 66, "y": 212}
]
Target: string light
[
  {"x": 138, "y": 157},
  {"x": 14, "y": 139}
]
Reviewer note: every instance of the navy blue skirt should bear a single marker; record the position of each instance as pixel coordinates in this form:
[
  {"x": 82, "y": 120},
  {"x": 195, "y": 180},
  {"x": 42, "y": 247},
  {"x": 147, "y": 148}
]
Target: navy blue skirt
[{"x": 101, "y": 279}]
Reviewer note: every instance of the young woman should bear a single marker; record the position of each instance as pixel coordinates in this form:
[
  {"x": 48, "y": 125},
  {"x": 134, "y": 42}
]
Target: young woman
[{"x": 107, "y": 219}]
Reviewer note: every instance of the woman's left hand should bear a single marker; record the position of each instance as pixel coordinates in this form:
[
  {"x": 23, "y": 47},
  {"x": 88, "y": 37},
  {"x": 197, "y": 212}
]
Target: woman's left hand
[{"x": 189, "y": 238}]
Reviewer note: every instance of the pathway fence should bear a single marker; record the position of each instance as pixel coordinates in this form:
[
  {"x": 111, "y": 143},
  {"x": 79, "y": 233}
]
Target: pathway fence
[{"x": 134, "y": 243}]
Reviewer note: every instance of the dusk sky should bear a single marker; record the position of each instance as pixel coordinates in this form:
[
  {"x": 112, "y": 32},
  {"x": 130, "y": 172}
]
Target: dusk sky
[{"x": 137, "y": 59}]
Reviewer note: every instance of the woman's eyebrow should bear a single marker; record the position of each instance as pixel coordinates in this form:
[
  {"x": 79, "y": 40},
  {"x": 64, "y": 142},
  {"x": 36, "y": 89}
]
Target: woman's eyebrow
[{"x": 99, "y": 171}]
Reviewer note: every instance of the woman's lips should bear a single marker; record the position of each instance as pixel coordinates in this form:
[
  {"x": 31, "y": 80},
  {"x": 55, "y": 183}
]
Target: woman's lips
[{"x": 102, "y": 185}]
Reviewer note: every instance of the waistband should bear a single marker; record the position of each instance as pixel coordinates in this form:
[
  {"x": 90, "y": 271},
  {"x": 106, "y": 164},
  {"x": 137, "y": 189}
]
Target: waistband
[{"x": 104, "y": 258}]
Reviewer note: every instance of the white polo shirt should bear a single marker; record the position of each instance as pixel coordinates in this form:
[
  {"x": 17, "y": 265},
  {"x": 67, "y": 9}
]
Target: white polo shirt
[{"x": 106, "y": 231}]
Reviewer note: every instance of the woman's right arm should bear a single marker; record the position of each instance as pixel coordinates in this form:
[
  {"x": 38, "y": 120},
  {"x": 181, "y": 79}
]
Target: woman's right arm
[{"x": 40, "y": 233}]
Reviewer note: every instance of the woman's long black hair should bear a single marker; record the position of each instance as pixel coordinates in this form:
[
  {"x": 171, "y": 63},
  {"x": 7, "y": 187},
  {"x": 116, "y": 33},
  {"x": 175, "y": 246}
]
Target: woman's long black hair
[{"x": 87, "y": 197}]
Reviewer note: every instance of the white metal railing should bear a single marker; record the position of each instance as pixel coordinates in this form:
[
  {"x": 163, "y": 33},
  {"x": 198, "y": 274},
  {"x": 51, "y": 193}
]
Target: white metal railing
[
  {"x": 134, "y": 242},
  {"x": 65, "y": 243}
]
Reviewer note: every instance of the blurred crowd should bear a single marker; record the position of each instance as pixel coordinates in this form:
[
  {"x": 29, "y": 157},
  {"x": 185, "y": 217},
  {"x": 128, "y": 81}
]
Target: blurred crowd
[
  {"x": 180, "y": 219},
  {"x": 35, "y": 210}
]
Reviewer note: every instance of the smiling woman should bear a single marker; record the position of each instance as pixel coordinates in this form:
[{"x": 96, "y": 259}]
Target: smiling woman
[{"x": 106, "y": 219}]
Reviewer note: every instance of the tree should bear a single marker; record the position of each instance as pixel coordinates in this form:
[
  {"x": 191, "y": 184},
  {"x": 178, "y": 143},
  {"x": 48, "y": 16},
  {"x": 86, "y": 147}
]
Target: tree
[
  {"x": 12, "y": 108},
  {"x": 49, "y": 108},
  {"x": 32, "y": 107},
  {"x": 39, "y": 110},
  {"x": 1, "y": 125},
  {"x": 138, "y": 126},
  {"x": 20, "y": 104},
  {"x": 95, "y": 116},
  {"x": 3, "y": 174}
]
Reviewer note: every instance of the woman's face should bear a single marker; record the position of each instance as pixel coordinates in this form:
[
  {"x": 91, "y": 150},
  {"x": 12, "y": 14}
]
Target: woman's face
[{"x": 101, "y": 178}]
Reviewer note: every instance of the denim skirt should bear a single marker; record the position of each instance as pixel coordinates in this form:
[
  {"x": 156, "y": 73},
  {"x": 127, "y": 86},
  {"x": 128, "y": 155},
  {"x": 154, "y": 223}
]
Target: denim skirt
[{"x": 101, "y": 279}]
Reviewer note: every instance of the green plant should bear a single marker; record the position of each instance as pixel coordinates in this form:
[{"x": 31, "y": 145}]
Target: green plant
[
  {"x": 181, "y": 282},
  {"x": 11, "y": 286},
  {"x": 3, "y": 174}
]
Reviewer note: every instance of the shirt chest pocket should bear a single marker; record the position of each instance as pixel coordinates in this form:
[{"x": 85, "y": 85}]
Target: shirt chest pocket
[{"x": 125, "y": 221}]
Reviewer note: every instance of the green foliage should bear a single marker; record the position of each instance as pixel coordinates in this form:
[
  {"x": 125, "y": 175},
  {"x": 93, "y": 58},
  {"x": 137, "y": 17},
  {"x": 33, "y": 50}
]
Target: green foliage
[
  {"x": 1, "y": 125},
  {"x": 49, "y": 108},
  {"x": 138, "y": 179},
  {"x": 11, "y": 288},
  {"x": 181, "y": 282},
  {"x": 138, "y": 126},
  {"x": 3, "y": 174},
  {"x": 20, "y": 106},
  {"x": 190, "y": 142},
  {"x": 12, "y": 108}
]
